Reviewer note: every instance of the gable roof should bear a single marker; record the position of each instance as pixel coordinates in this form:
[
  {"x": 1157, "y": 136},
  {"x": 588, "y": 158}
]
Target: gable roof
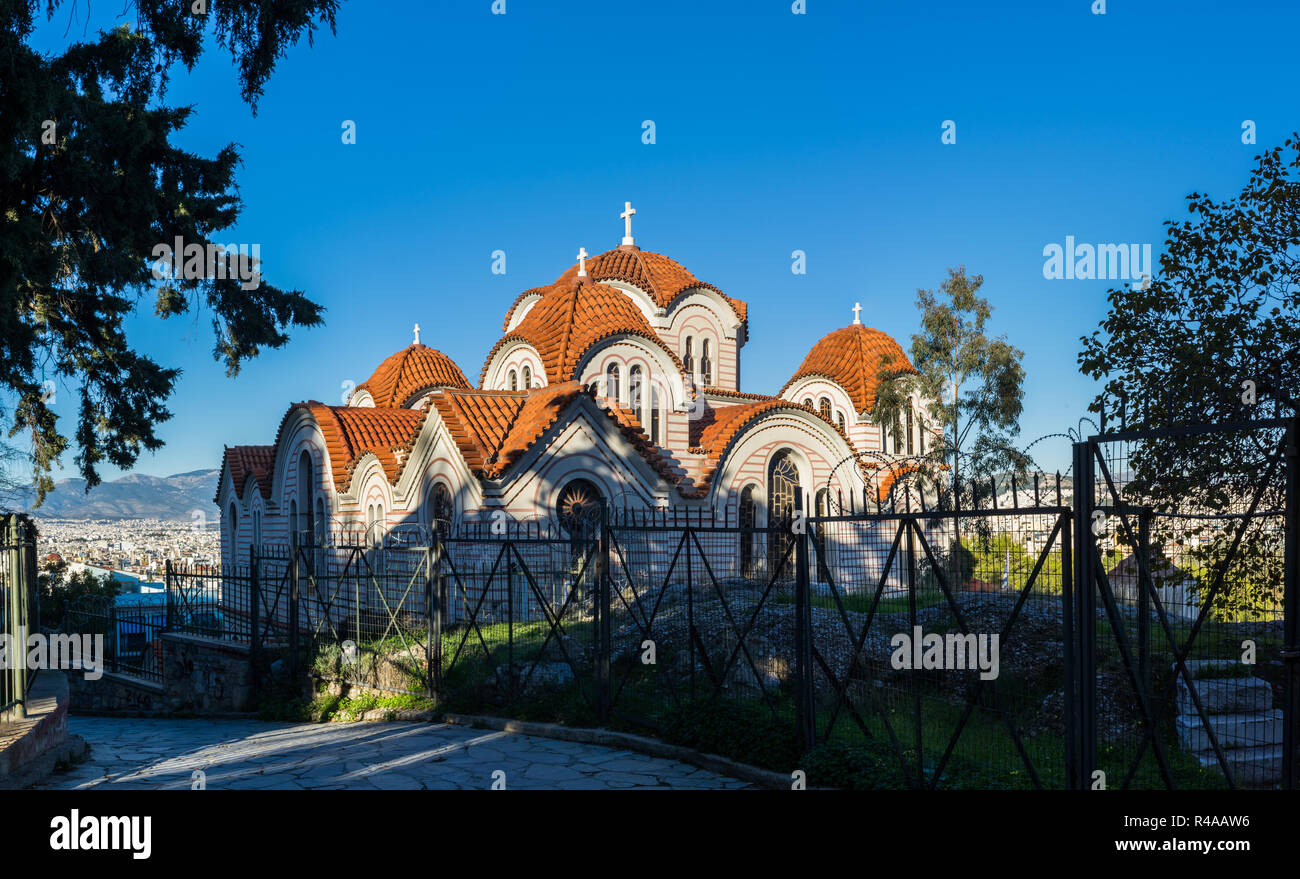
[
  {"x": 245, "y": 462},
  {"x": 353, "y": 431},
  {"x": 720, "y": 427},
  {"x": 494, "y": 429}
]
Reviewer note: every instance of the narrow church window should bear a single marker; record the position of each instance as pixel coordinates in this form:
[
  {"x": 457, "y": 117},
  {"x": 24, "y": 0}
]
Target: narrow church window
[
  {"x": 807, "y": 401},
  {"x": 911, "y": 445},
  {"x": 654, "y": 415},
  {"x": 514, "y": 381},
  {"x": 234, "y": 533},
  {"x": 634, "y": 390},
  {"x": 257, "y": 528},
  {"x": 689, "y": 359},
  {"x": 839, "y": 419},
  {"x": 320, "y": 522},
  {"x": 528, "y": 377},
  {"x": 898, "y": 436},
  {"x": 824, "y": 405},
  {"x": 706, "y": 365},
  {"x": 611, "y": 382}
]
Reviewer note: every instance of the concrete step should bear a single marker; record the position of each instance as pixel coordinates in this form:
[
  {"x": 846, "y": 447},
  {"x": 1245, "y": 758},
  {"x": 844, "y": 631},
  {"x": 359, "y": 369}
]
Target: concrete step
[
  {"x": 1259, "y": 766},
  {"x": 1231, "y": 730},
  {"x": 1226, "y": 695}
]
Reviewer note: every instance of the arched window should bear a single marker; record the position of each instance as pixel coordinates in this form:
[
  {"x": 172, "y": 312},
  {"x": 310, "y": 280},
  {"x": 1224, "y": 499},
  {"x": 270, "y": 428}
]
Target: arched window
[
  {"x": 822, "y": 498},
  {"x": 634, "y": 392},
  {"x": 824, "y": 406},
  {"x": 782, "y": 486},
  {"x": 233, "y": 516},
  {"x": 320, "y": 529},
  {"x": 839, "y": 419},
  {"x": 746, "y": 531},
  {"x": 706, "y": 363},
  {"x": 611, "y": 382},
  {"x": 654, "y": 415},
  {"x": 911, "y": 445},
  {"x": 440, "y": 509},
  {"x": 807, "y": 401},
  {"x": 257, "y": 527},
  {"x": 528, "y": 377},
  {"x": 514, "y": 380},
  {"x": 306, "y": 525},
  {"x": 578, "y": 506},
  {"x": 688, "y": 359}
]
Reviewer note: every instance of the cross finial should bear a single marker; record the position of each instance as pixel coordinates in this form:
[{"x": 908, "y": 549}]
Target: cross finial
[
  {"x": 628, "y": 213},
  {"x": 857, "y": 310},
  {"x": 582, "y": 262},
  {"x": 417, "y": 334}
]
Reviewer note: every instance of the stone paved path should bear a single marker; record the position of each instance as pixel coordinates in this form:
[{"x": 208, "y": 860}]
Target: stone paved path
[{"x": 250, "y": 754}]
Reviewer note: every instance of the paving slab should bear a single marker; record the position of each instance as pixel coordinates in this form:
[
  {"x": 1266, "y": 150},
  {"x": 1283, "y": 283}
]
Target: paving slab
[{"x": 241, "y": 754}]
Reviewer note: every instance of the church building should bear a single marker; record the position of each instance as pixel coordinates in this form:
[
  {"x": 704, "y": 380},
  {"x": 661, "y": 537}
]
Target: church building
[{"x": 616, "y": 384}]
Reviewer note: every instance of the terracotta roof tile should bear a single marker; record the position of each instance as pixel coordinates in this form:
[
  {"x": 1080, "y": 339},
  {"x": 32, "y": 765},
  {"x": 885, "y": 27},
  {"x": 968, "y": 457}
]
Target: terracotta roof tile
[
  {"x": 248, "y": 461},
  {"x": 413, "y": 369},
  {"x": 570, "y": 319},
  {"x": 493, "y": 429},
  {"x": 853, "y": 357},
  {"x": 352, "y": 431},
  {"x": 660, "y": 276},
  {"x": 720, "y": 427}
]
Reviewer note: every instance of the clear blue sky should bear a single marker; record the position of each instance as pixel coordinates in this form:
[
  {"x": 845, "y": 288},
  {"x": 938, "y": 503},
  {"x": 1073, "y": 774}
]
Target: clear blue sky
[{"x": 775, "y": 132}]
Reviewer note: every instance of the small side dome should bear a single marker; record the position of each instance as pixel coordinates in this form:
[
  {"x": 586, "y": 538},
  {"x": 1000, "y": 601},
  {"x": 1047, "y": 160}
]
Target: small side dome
[
  {"x": 409, "y": 372},
  {"x": 853, "y": 356}
]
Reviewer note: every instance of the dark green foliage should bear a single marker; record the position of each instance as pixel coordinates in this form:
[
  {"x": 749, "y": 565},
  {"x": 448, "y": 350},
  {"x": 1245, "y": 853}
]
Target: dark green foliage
[
  {"x": 737, "y": 730},
  {"x": 90, "y": 184},
  {"x": 58, "y": 590}
]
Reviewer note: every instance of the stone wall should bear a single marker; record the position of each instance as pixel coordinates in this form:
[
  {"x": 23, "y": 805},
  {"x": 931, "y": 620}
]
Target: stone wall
[
  {"x": 29, "y": 747},
  {"x": 200, "y": 676}
]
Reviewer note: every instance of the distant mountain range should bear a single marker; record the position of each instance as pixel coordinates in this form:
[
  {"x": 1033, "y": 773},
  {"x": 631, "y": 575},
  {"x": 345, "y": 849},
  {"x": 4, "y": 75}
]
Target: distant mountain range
[{"x": 134, "y": 496}]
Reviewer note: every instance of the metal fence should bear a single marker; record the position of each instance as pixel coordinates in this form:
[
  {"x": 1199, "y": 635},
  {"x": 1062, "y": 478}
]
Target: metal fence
[
  {"x": 130, "y": 634},
  {"x": 18, "y": 610},
  {"x": 1102, "y": 640}
]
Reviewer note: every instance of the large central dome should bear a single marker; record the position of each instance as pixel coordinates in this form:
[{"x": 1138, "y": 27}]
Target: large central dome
[{"x": 571, "y": 316}]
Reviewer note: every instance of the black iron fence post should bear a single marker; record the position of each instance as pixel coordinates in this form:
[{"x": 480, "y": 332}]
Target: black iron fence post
[
  {"x": 437, "y": 592},
  {"x": 603, "y": 621},
  {"x": 805, "y": 719},
  {"x": 168, "y": 586},
  {"x": 254, "y": 633},
  {"x": 293, "y": 612},
  {"x": 1144, "y": 601},
  {"x": 1069, "y": 660},
  {"x": 1291, "y": 610},
  {"x": 1084, "y": 638}
]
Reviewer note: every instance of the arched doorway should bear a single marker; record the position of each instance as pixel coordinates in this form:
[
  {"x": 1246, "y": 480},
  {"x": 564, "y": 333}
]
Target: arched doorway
[{"x": 782, "y": 488}]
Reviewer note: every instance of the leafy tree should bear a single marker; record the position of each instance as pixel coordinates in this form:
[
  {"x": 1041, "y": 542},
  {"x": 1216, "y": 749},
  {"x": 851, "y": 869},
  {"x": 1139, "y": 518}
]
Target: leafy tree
[
  {"x": 970, "y": 384},
  {"x": 90, "y": 184},
  {"x": 1212, "y": 338},
  {"x": 58, "y": 590}
]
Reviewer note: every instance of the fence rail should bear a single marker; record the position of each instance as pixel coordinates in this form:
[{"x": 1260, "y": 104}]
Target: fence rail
[
  {"x": 18, "y": 609},
  {"x": 1027, "y": 645}
]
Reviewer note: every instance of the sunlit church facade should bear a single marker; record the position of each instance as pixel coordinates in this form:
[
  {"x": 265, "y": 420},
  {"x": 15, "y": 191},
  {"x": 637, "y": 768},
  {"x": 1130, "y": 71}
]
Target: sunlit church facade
[{"x": 618, "y": 385}]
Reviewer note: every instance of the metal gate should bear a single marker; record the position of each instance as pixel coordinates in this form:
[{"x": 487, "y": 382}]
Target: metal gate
[{"x": 1186, "y": 612}]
